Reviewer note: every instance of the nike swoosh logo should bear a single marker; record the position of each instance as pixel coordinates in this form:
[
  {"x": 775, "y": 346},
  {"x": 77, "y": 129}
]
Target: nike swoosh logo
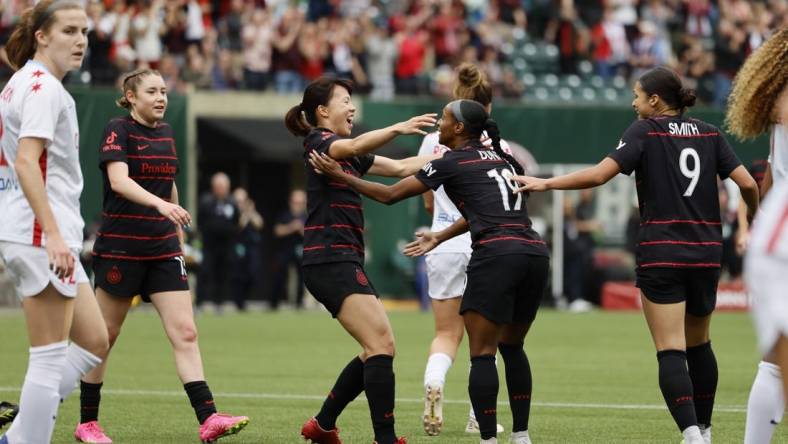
[
  {"x": 142, "y": 147},
  {"x": 621, "y": 144}
]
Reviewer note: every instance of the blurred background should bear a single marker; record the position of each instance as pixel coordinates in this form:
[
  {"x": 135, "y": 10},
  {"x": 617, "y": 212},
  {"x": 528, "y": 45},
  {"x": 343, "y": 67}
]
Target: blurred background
[{"x": 562, "y": 71}]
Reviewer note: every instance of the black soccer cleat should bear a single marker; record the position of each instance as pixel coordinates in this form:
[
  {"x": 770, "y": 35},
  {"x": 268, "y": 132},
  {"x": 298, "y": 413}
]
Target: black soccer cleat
[{"x": 8, "y": 412}]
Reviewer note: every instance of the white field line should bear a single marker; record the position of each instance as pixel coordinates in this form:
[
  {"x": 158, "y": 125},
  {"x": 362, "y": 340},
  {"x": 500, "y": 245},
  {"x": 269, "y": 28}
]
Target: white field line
[{"x": 288, "y": 396}]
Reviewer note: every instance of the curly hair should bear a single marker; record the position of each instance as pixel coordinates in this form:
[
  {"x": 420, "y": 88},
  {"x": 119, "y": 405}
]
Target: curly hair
[{"x": 758, "y": 84}]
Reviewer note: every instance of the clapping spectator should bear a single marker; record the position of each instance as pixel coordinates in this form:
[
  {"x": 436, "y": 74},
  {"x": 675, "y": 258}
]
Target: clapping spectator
[{"x": 257, "y": 35}]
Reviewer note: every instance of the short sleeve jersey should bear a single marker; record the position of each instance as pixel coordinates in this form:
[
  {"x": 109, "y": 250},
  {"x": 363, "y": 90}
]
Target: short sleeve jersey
[
  {"x": 334, "y": 229},
  {"x": 676, "y": 161},
  {"x": 129, "y": 230},
  {"x": 479, "y": 184},
  {"x": 778, "y": 153},
  {"x": 770, "y": 228},
  {"x": 35, "y": 104}
]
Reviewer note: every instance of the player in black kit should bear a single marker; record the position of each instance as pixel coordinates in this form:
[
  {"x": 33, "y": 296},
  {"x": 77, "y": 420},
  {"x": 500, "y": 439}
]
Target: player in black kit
[
  {"x": 676, "y": 161},
  {"x": 138, "y": 249},
  {"x": 333, "y": 261},
  {"x": 508, "y": 269}
]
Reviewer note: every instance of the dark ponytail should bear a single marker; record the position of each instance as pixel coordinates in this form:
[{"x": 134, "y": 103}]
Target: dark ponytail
[
  {"x": 667, "y": 85},
  {"x": 21, "y": 46},
  {"x": 303, "y": 117},
  {"x": 491, "y": 127}
]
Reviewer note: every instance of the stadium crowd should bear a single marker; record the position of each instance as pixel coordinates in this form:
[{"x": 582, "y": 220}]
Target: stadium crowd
[{"x": 411, "y": 46}]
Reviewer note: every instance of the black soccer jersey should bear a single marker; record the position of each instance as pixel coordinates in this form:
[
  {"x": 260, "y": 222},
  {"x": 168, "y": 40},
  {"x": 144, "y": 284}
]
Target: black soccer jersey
[
  {"x": 676, "y": 161},
  {"x": 334, "y": 229},
  {"x": 129, "y": 230},
  {"x": 480, "y": 185}
]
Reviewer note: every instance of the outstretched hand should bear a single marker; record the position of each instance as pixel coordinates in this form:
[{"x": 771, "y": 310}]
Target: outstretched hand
[
  {"x": 325, "y": 165},
  {"x": 425, "y": 242},
  {"x": 530, "y": 184},
  {"x": 414, "y": 125}
]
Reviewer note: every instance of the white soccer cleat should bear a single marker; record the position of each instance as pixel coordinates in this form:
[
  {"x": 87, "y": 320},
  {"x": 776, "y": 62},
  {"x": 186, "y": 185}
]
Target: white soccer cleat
[
  {"x": 433, "y": 410},
  {"x": 489, "y": 441},
  {"x": 520, "y": 438},
  {"x": 473, "y": 426},
  {"x": 705, "y": 432}
]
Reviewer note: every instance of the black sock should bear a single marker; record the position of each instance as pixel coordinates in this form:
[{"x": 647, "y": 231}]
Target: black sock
[
  {"x": 201, "y": 398},
  {"x": 379, "y": 387},
  {"x": 676, "y": 386},
  {"x": 89, "y": 400},
  {"x": 483, "y": 390},
  {"x": 519, "y": 384},
  {"x": 702, "y": 367},
  {"x": 349, "y": 385}
]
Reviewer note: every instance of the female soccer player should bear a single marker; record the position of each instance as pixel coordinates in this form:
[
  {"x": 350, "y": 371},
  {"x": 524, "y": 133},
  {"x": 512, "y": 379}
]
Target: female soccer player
[
  {"x": 138, "y": 249},
  {"x": 676, "y": 160},
  {"x": 758, "y": 103},
  {"x": 446, "y": 266},
  {"x": 333, "y": 261},
  {"x": 41, "y": 233},
  {"x": 508, "y": 269}
]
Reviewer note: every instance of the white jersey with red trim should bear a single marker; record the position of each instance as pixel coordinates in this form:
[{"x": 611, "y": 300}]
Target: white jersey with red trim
[
  {"x": 778, "y": 154},
  {"x": 35, "y": 104},
  {"x": 769, "y": 236},
  {"x": 444, "y": 213}
]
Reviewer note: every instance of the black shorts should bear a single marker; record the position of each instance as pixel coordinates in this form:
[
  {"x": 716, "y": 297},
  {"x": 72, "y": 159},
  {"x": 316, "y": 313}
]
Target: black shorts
[
  {"x": 506, "y": 289},
  {"x": 124, "y": 278},
  {"x": 332, "y": 282},
  {"x": 696, "y": 286}
]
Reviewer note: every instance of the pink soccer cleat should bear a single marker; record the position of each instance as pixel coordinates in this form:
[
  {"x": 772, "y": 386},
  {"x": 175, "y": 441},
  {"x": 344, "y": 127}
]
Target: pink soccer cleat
[
  {"x": 91, "y": 432},
  {"x": 219, "y": 425}
]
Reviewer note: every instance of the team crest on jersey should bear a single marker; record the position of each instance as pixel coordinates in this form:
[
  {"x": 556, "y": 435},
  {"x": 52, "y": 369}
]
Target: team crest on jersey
[
  {"x": 361, "y": 277},
  {"x": 114, "y": 276}
]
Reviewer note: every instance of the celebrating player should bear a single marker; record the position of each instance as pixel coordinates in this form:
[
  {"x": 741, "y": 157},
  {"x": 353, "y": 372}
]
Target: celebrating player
[
  {"x": 758, "y": 103},
  {"x": 507, "y": 273},
  {"x": 41, "y": 233},
  {"x": 676, "y": 162},
  {"x": 446, "y": 266},
  {"x": 138, "y": 249},
  {"x": 333, "y": 261}
]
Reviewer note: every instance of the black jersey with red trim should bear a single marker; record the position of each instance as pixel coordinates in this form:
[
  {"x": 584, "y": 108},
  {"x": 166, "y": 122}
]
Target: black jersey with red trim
[
  {"x": 334, "y": 229},
  {"x": 129, "y": 230},
  {"x": 676, "y": 161},
  {"x": 479, "y": 183}
]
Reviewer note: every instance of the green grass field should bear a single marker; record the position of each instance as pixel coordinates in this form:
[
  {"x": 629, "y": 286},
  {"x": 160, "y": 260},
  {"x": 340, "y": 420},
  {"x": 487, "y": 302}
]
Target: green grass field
[{"x": 595, "y": 379}]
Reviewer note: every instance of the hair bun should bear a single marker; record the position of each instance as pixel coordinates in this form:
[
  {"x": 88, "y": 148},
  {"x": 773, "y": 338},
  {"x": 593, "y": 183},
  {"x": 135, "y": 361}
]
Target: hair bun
[
  {"x": 687, "y": 97},
  {"x": 469, "y": 75}
]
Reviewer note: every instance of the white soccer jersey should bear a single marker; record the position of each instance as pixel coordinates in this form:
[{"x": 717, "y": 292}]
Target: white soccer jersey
[
  {"x": 778, "y": 153},
  {"x": 769, "y": 236},
  {"x": 444, "y": 212},
  {"x": 35, "y": 104}
]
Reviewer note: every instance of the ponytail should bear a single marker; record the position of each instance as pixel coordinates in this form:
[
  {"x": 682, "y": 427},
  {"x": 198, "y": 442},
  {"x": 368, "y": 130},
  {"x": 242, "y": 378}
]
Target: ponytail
[
  {"x": 22, "y": 45},
  {"x": 296, "y": 123},
  {"x": 491, "y": 126}
]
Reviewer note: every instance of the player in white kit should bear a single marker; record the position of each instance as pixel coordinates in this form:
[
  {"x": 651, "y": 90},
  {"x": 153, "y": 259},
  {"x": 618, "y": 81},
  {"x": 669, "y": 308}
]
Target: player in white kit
[
  {"x": 446, "y": 266},
  {"x": 759, "y": 102},
  {"x": 41, "y": 234}
]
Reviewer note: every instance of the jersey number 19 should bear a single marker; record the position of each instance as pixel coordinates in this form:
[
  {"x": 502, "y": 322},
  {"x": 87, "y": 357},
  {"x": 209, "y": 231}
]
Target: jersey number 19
[{"x": 504, "y": 179}]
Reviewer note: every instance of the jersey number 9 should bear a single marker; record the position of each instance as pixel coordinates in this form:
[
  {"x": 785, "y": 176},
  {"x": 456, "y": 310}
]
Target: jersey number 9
[{"x": 692, "y": 174}]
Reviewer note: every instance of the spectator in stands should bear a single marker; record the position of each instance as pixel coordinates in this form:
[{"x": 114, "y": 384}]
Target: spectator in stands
[
  {"x": 289, "y": 234},
  {"x": 314, "y": 50},
  {"x": 382, "y": 52},
  {"x": 611, "y": 48},
  {"x": 248, "y": 260},
  {"x": 195, "y": 26},
  {"x": 648, "y": 50},
  {"x": 287, "y": 56},
  {"x": 174, "y": 36},
  {"x": 413, "y": 43},
  {"x": 197, "y": 72},
  {"x": 218, "y": 223},
  {"x": 100, "y": 66},
  {"x": 223, "y": 74},
  {"x": 256, "y": 36},
  {"x": 231, "y": 27},
  {"x": 730, "y": 50}
]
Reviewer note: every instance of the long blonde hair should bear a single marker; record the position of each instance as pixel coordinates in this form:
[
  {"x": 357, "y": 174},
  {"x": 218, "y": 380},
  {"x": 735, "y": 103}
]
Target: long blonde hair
[{"x": 757, "y": 86}]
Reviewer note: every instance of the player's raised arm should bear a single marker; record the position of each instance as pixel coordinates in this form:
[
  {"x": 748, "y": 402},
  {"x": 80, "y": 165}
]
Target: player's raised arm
[{"x": 591, "y": 177}]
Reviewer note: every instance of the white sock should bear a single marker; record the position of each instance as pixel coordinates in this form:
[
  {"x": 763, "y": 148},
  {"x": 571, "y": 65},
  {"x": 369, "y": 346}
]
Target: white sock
[
  {"x": 766, "y": 405},
  {"x": 78, "y": 362},
  {"x": 39, "y": 399},
  {"x": 489, "y": 441},
  {"x": 692, "y": 435},
  {"x": 520, "y": 435},
  {"x": 472, "y": 414},
  {"x": 438, "y": 365}
]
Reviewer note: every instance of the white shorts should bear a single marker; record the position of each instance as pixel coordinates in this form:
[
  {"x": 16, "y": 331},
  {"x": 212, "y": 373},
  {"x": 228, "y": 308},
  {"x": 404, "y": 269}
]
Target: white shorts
[
  {"x": 29, "y": 269},
  {"x": 767, "y": 283},
  {"x": 446, "y": 273}
]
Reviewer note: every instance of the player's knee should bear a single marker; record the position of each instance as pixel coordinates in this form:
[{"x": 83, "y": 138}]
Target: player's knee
[
  {"x": 112, "y": 334},
  {"x": 452, "y": 335},
  {"x": 185, "y": 333},
  {"x": 98, "y": 344},
  {"x": 382, "y": 345}
]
